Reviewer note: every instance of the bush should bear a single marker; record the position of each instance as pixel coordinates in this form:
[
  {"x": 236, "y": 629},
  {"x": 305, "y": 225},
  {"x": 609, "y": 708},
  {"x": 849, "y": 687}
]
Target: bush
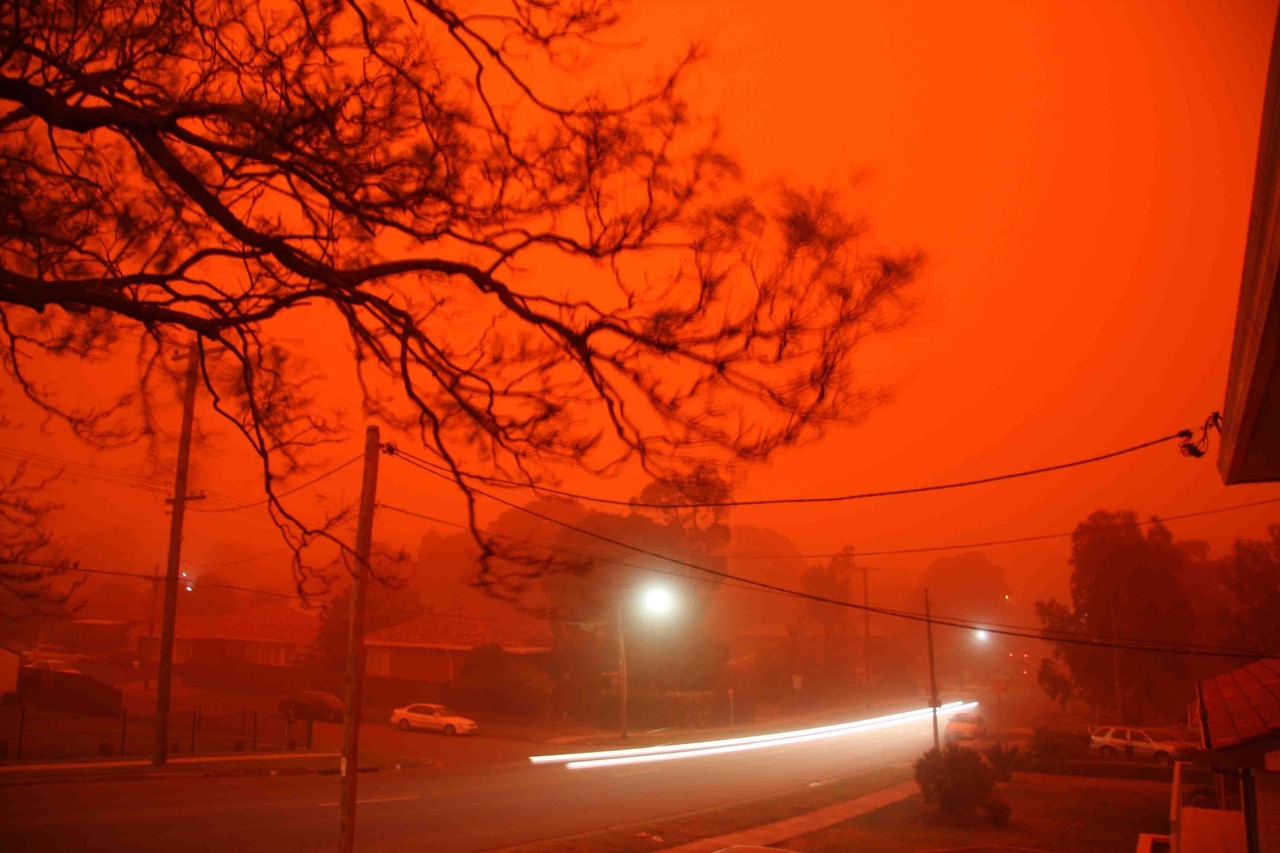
[
  {"x": 105, "y": 749},
  {"x": 1059, "y": 744},
  {"x": 494, "y": 680},
  {"x": 997, "y": 809},
  {"x": 960, "y": 781},
  {"x": 1001, "y": 759}
]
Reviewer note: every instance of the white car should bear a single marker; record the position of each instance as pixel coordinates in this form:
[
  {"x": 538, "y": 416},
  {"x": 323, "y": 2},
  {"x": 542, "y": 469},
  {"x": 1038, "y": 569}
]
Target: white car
[
  {"x": 964, "y": 727},
  {"x": 436, "y": 718},
  {"x": 52, "y": 665}
]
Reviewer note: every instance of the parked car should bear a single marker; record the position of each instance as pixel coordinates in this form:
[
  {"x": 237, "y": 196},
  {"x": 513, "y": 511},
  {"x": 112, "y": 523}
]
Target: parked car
[
  {"x": 312, "y": 705},
  {"x": 433, "y": 718},
  {"x": 1162, "y": 745},
  {"x": 964, "y": 727},
  {"x": 1019, "y": 739},
  {"x": 51, "y": 665}
]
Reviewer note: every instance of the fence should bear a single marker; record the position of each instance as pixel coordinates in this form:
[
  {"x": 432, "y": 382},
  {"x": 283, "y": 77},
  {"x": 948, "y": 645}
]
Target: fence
[{"x": 31, "y": 733}]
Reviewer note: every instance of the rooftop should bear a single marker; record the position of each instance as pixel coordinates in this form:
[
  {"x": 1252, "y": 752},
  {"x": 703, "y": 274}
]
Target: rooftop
[
  {"x": 458, "y": 631},
  {"x": 1241, "y": 706},
  {"x": 265, "y": 622}
]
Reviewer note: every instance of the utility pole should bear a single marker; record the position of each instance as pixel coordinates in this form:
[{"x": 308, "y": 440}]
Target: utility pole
[
  {"x": 349, "y": 765},
  {"x": 151, "y": 622},
  {"x": 933, "y": 679},
  {"x": 622, "y": 677},
  {"x": 164, "y": 675},
  {"x": 866, "y": 626}
]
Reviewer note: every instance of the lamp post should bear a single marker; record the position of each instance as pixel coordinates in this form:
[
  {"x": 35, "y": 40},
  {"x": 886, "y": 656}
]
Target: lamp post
[{"x": 654, "y": 601}]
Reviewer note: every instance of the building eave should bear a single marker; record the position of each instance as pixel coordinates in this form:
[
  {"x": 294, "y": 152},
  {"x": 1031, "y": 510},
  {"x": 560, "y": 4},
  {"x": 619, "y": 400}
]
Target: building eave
[{"x": 1250, "y": 452}]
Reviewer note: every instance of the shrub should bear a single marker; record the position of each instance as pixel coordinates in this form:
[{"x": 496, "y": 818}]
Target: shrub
[
  {"x": 1059, "y": 744},
  {"x": 1001, "y": 759},
  {"x": 997, "y": 809},
  {"x": 494, "y": 680},
  {"x": 105, "y": 749},
  {"x": 960, "y": 781}
]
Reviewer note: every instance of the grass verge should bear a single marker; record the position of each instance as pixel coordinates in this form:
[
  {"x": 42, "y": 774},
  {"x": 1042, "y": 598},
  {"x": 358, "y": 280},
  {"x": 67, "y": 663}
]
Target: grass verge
[{"x": 1067, "y": 814}]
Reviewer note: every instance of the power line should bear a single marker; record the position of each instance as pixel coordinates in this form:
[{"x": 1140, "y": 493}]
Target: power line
[
  {"x": 924, "y": 549},
  {"x": 1185, "y": 436},
  {"x": 283, "y": 494},
  {"x": 240, "y": 560},
  {"x": 81, "y": 470},
  {"x": 994, "y": 542},
  {"x": 1044, "y": 634},
  {"x": 567, "y": 549},
  {"x": 76, "y": 567},
  {"x": 1130, "y": 644}
]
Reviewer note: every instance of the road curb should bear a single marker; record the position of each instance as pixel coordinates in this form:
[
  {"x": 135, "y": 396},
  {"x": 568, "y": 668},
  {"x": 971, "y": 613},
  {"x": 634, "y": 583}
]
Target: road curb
[
  {"x": 56, "y": 777},
  {"x": 794, "y": 827}
]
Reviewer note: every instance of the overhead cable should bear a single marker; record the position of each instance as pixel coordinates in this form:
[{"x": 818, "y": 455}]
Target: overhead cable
[
  {"x": 1131, "y": 644},
  {"x": 1185, "y": 437}
]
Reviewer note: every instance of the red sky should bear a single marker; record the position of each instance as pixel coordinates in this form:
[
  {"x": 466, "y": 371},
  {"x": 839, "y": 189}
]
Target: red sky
[{"x": 1079, "y": 176}]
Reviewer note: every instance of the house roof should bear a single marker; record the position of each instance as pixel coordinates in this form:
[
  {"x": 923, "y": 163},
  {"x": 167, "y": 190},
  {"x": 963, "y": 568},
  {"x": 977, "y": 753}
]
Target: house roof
[
  {"x": 276, "y": 623},
  {"x": 458, "y": 631},
  {"x": 1241, "y": 706}
]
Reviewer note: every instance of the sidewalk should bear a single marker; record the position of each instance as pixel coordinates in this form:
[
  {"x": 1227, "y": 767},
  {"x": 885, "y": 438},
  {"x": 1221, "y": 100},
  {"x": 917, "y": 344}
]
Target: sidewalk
[
  {"x": 772, "y": 833},
  {"x": 232, "y": 764}
]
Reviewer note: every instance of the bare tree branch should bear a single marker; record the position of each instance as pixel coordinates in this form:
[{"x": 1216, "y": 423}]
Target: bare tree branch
[{"x": 533, "y": 267}]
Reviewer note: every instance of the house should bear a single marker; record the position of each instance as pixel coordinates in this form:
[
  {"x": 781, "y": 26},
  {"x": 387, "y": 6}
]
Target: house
[
  {"x": 432, "y": 647},
  {"x": 10, "y": 663},
  {"x": 1238, "y": 810},
  {"x": 90, "y": 636},
  {"x": 1250, "y": 449},
  {"x": 266, "y": 634}
]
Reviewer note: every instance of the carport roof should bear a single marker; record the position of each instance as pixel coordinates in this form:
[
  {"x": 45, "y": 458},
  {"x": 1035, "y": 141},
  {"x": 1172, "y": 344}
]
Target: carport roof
[{"x": 1241, "y": 706}]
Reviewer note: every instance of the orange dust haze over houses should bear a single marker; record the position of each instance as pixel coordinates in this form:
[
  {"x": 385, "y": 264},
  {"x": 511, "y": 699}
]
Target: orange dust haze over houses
[{"x": 858, "y": 250}]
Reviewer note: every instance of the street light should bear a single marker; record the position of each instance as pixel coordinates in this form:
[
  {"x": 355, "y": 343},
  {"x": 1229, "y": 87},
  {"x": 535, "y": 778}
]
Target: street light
[
  {"x": 981, "y": 635},
  {"x": 658, "y": 601},
  {"x": 654, "y": 601}
]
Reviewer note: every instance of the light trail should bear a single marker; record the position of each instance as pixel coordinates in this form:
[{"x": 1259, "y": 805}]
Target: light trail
[{"x": 671, "y": 752}]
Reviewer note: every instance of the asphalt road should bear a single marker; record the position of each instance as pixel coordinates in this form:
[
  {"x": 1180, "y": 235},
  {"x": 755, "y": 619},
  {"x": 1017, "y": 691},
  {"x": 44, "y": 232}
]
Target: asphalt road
[{"x": 461, "y": 807}]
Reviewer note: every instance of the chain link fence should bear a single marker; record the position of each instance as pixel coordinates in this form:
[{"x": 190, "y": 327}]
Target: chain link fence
[{"x": 34, "y": 733}]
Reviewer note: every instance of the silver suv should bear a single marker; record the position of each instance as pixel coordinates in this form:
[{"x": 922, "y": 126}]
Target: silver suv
[{"x": 1161, "y": 745}]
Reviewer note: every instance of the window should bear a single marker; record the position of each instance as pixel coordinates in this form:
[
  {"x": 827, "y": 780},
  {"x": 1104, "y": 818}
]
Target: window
[
  {"x": 421, "y": 709},
  {"x": 1138, "y": 737}
]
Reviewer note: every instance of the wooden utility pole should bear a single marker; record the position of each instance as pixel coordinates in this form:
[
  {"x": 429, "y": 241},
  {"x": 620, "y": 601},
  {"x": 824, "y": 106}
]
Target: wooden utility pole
[
  {"x": 622, "y": 677},
  {"x": 164, "y": 675},
  {"x": 349, "y": 765},
  {"x": 866, "y": 626},
  {"x": 933, "y": 679},
  {"x": 151, "y": 624}
]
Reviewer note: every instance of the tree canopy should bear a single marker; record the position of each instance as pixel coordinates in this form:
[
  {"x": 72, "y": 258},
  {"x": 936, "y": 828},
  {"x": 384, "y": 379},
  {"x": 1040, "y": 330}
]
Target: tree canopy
[
  {"x": 530, "y": 264},
  {"x": 1124, "y": 585}
]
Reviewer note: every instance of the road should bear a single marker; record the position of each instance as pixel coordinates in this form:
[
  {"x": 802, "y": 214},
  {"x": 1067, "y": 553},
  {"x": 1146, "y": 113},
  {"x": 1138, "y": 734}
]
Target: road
[{"x": 460, "y": 807}]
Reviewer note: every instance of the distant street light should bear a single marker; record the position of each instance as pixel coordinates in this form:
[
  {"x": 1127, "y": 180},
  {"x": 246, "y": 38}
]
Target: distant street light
[
  {"x": 658, "y": 601},
  {"x": 654, "y": 601},
  {"x": 981, "y": 635}
]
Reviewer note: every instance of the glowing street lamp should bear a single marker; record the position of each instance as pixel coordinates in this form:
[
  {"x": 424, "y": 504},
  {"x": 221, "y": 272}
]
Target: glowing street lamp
[
  {"x": 654, "y": 601},
  {"x": 657, "y": 601},
  {"x": 981, "y": 635}
]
